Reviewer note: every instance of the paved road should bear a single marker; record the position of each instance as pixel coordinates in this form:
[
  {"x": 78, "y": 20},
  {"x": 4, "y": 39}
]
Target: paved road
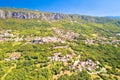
[{"x": 102, "y": 70}]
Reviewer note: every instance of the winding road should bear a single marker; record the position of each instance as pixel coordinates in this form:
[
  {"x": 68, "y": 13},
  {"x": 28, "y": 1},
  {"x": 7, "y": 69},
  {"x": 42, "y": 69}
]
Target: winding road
[{"x": 13, "y": 67}]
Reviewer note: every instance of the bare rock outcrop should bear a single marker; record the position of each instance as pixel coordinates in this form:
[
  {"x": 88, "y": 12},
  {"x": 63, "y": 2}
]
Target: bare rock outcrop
[{"x": 29, "y": 14}]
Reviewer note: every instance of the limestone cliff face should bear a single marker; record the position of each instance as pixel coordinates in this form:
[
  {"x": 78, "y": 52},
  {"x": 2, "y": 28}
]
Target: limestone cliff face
[
  {"x": 28, "y": 14},
  {"x": 2, "y": 14}
]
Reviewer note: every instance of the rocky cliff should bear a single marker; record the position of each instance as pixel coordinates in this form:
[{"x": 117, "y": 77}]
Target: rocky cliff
[
  {"x": 28, "y": 14},
  {"x": 22, "y": 14}
]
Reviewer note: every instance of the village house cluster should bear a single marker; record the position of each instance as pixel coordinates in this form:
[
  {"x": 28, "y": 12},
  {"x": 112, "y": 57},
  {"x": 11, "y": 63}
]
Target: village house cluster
[
  {"x": 5, "y": 35},
  {"x": 102, "y": 40},
  {"x": 61, "y": 37},
  {"x": 58, "y": 57},
  {"x": 8, "y": 36},
  {"x": 13, "y": 56},
  {"x": 118, "y": 34},
  {"x": 89, "y": 65},
  {"x": 47, "y": 40},
  {"x": 77, "y": 65},
  {"x": 65, "y": 35},
  {"x": 96, "y": 40},
  {"x": 89, "y": 41}
]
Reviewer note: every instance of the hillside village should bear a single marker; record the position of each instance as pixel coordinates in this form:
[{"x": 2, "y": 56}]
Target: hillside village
[
  {"x": 59, "y": 37},
  {"x": 53, "y": 46},
  {"x": 77, "y": 65}
]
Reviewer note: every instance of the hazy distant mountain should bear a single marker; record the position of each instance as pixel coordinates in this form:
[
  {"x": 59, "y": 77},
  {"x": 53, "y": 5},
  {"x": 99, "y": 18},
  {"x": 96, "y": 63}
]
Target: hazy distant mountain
[{"x": 113, "y": 17}]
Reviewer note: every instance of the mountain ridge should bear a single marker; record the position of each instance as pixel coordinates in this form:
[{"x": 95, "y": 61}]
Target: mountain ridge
[{"x": 33, "y": 14}]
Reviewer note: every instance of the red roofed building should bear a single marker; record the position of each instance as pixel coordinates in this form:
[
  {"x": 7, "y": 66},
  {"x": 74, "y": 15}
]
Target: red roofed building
[{"x": 15, "y": 56}]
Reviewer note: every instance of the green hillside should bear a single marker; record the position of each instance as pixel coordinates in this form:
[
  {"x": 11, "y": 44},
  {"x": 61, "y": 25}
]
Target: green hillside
[{"x": 64, "y": 49}]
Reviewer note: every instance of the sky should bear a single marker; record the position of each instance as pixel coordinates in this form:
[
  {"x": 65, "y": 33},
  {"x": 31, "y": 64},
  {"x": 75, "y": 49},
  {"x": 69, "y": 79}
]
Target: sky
[{"x": 83, "y": 7}]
